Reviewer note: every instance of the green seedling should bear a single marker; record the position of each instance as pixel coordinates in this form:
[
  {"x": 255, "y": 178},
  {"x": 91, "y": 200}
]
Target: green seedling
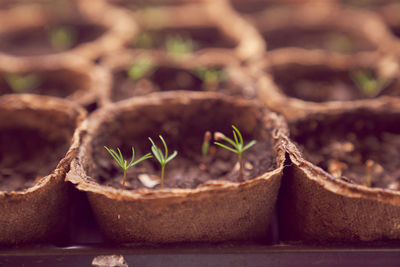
[
  {"x": 141, "y": 68},
  {"x": 177, "y": 45},
  {"x": 211, "y": 77},
  {"x": 123, "y": 163},
  {"x": 144, "y": 40},
  {"x": 163, "y": 159},
  {"x": 367, "y": 84},
  {"x": 62, "y": 37},
  {"x": 339, "y": 43},
  {"x": 237, "y": 146},
  {"x": 23, "y": 83}
]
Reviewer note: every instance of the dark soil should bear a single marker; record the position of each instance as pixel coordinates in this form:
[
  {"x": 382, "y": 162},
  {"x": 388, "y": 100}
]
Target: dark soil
[
  {"x": 183, "y": 128},
  {"x": 395, "y": 30},
  {"x": 318, "y": 38},
  {"x": 191, "y": 169},
  {"x": 202, "y": 37},
  {"x": 366, "y": 4},
  {"x": 320, "y": 83},
  {"x": 354, "y": 147},
  {"x": 26, "y": 155},
  {"x": 58, "y": 83},
  {"x": 137, "y": 4},
  {"x": 35, "y": 41},
  {"x": 251, "y": 7},
  {"x": 167, "y": 79}
]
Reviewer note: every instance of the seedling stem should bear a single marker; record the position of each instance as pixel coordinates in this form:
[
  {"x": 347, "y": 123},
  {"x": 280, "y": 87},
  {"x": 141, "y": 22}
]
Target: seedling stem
[
  {"x": 163, "y": 159},
  {"x": 123, "y": 163}
]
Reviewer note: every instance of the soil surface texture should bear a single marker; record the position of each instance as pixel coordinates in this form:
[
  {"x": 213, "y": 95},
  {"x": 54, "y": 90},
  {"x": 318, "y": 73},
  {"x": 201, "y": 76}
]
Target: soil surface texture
[
  {"x": 358, "y": 148},
  {"x": 26, "y": 156},
  {"x": 191, "y": 169}
]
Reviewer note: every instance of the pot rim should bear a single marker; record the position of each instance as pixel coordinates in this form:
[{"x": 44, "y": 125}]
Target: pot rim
[
  {"x": 294, "y": 108},
  {"x": 49, "y": 104},
  {"x": 335, "y": 185},
  {"x": 119, "y": 28},
  {"x": 86, "y": 184}
]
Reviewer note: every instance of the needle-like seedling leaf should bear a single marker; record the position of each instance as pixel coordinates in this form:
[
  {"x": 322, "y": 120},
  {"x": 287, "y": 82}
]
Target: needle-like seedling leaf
[
  {"x": 237, "y": 146},
  {"x": 177, "y": 45},
  {"x": 123, "y": 163},
  {"x": 211, "y": 77},
  {"x": 367, "y": 84},
  {"x": 141, "y": 68},
  {"x": 161, "y": 157},
  {"x": 23, "y": 83},
  {"x": 62, "y": 37}
]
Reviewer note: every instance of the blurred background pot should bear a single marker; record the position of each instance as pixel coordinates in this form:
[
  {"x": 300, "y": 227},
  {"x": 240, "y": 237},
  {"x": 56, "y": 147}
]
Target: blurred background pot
[
  {"x": 297, "y": 82},
  {"x": 63, "y": 28},
  {"x": 72, "y": 78},
  {"x": 140, "y": 72}
]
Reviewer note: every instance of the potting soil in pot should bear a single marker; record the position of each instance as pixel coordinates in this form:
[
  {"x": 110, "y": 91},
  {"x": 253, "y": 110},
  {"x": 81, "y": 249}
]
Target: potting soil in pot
[
  {"x": 26, "y": 155},
  {"x": 359, "y": 148}
]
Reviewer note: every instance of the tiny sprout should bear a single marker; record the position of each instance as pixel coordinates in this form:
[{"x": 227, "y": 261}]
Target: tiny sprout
[
  {"x": 178, "y": 45},
  {"x": 62, "y": 37},
  {"x": 123, "y": 163},
  {"x": 367, "y": 84},
  {"x": 237, "y": 148},
  {"x": 162, "y": 159},
  {"x": 341, "y": 43},
  {"x": 368, "y": 169},
  {"x": 140, "y": 68},
  {"x": 22, "y": 83},
  {"x": 210, "y": 76},
  {"x": 206, "y": 143},
  {"x": 144, "y": 40}
]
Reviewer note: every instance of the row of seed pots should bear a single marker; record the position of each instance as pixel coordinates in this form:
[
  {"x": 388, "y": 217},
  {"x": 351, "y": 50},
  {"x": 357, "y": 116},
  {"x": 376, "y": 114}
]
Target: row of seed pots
[{"x": 345, "y": 143}]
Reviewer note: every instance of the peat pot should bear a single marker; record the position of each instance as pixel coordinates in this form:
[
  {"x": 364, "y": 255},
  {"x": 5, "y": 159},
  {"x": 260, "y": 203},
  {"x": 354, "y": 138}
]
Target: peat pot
[
  {"x": 344, "y": 185},
  {"x": 140, "y": 72},
  {"x": 36, "y": 150},
  {"x": 72, "y": 78},
  {"x": 203, "y": 199},
  {"x": 298, "y": 82},
  {"x": 85, "y": 28}
]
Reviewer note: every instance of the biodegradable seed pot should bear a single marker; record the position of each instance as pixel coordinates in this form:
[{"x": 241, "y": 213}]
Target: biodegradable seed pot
[
  {"x": 344, "y": 186},
  {"x": 36, "y": 150},
  {"x": 321, "y": 26},
  {"x": 202, "y": 199},
  {"x": 196, "y": 27},
  {"x": 72, "y": 78},
  {"x": 298, "y": 82},
  {"x": 63, "y": 28},
  {"x": 141, "y": 72}
]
